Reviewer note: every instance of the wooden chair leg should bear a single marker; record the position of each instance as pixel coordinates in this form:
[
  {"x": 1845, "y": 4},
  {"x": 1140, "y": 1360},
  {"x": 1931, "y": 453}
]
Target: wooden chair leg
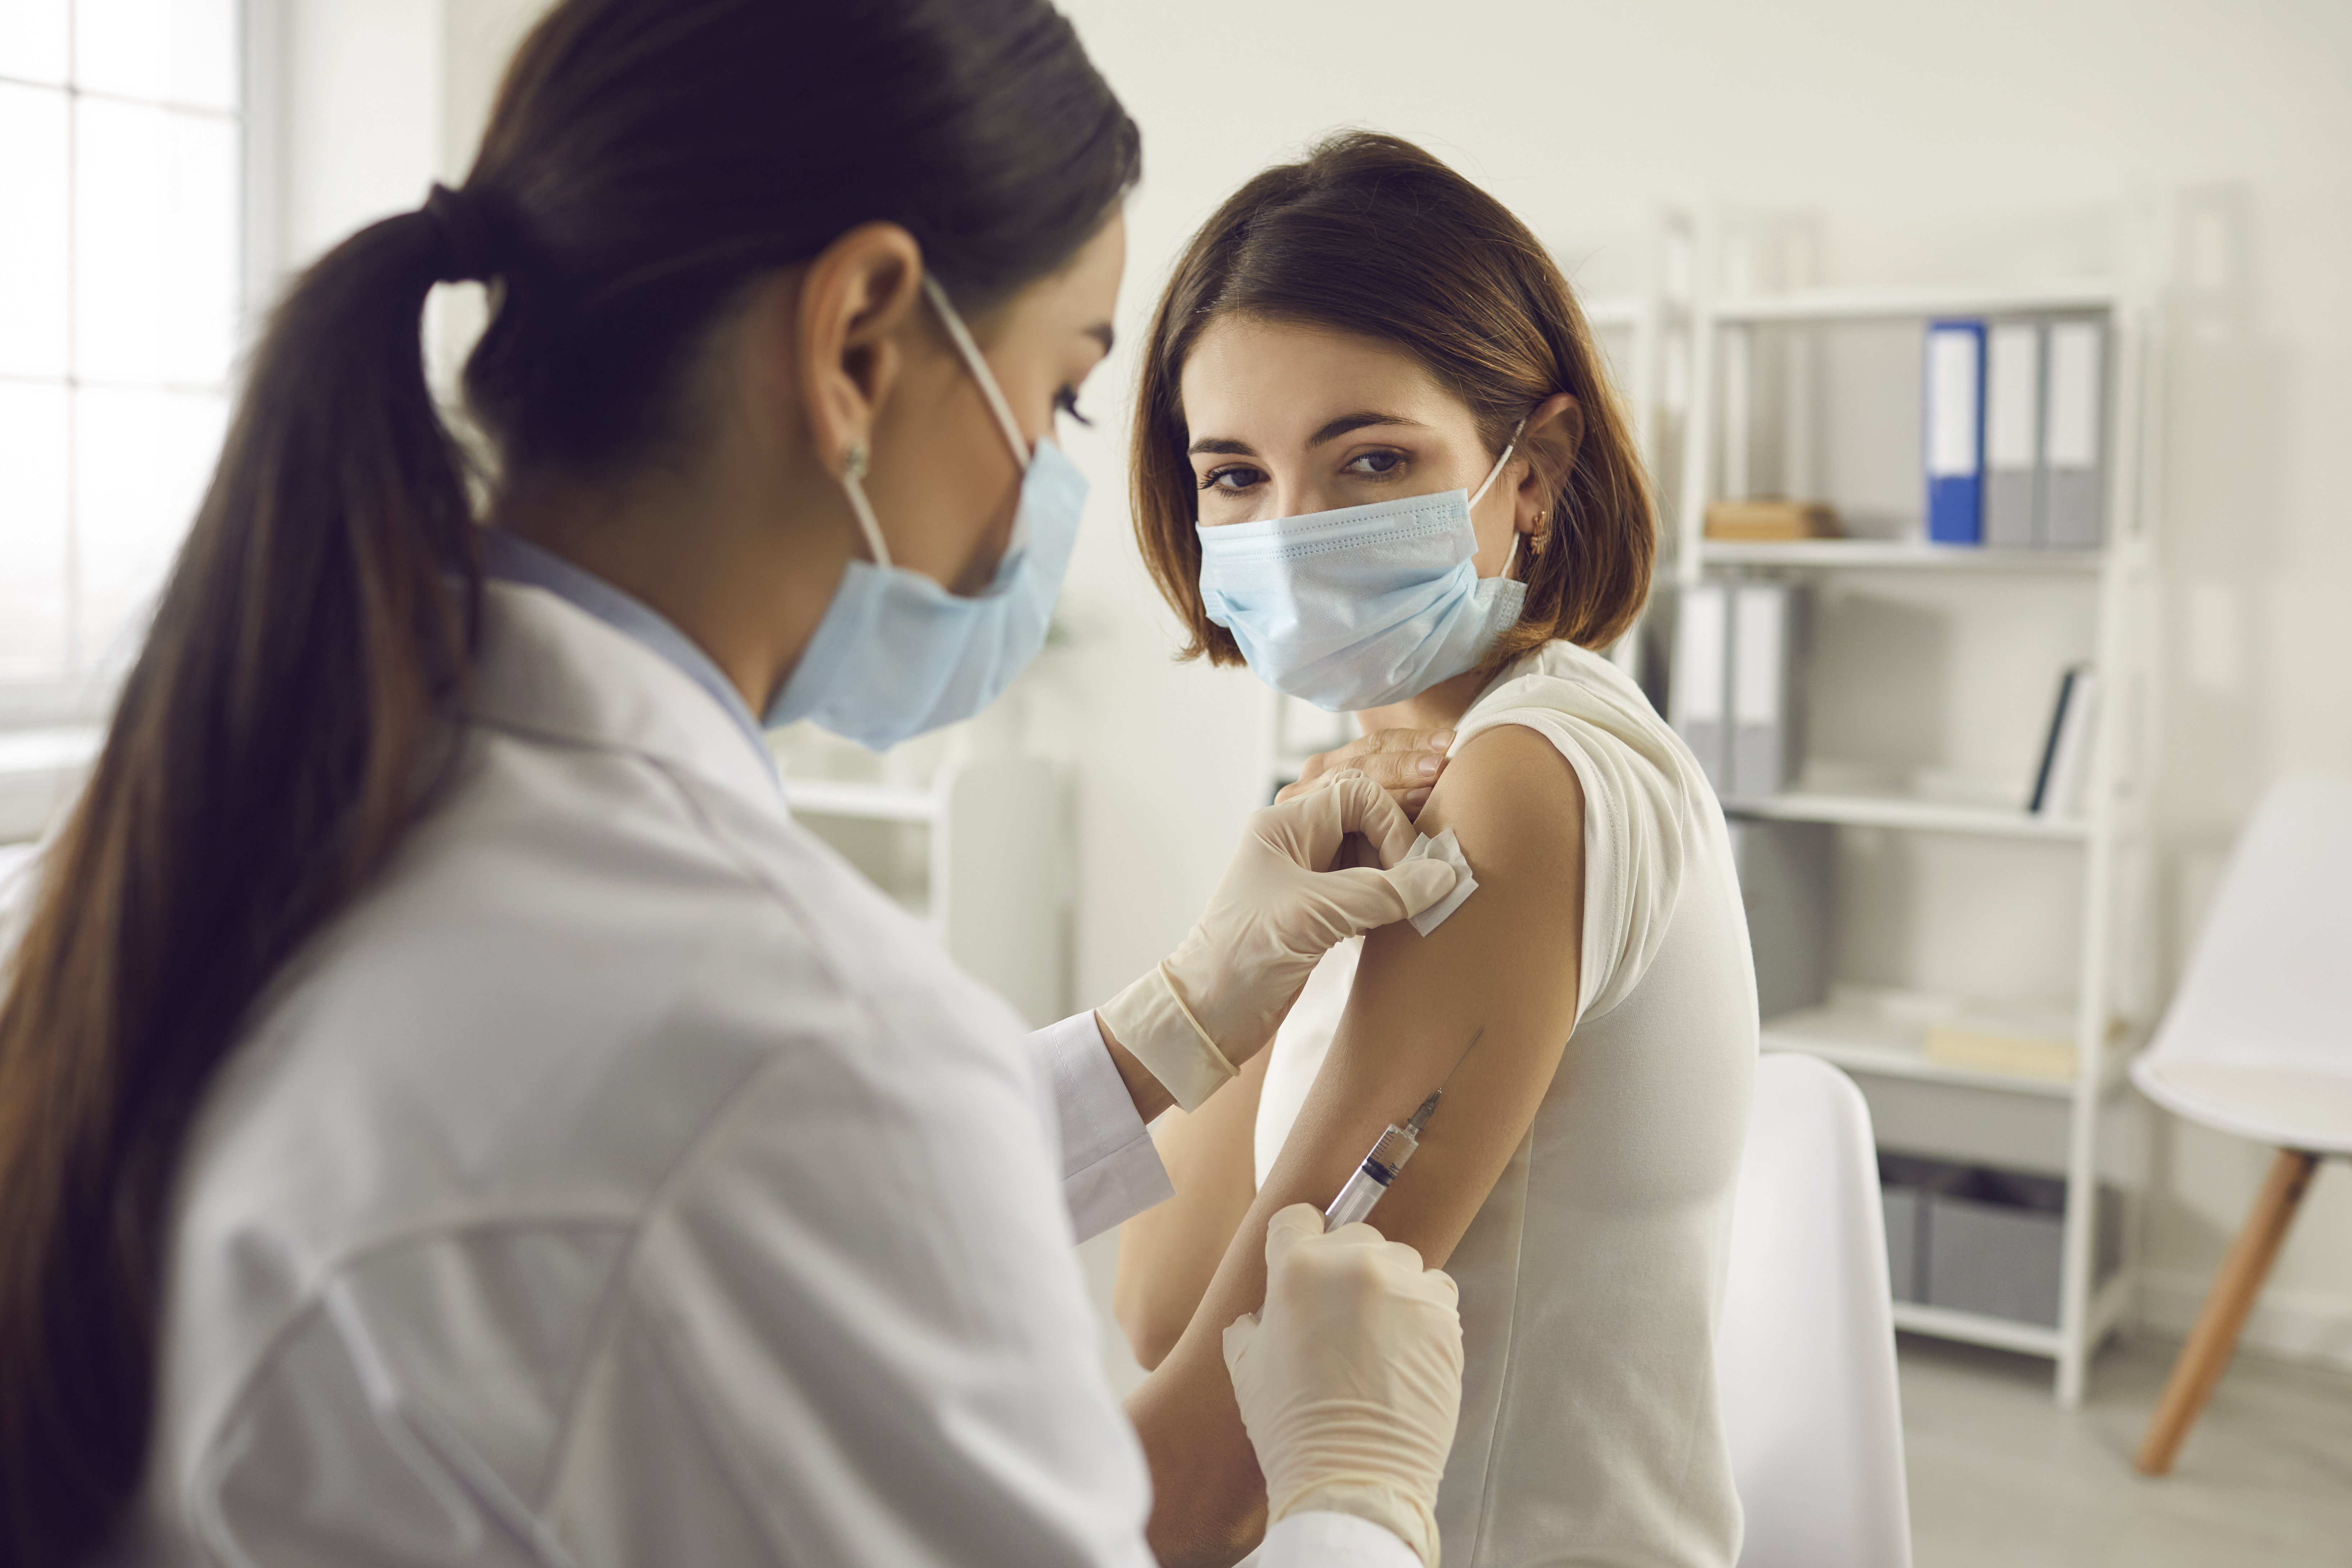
[{"x": 2214, "y": 1339}]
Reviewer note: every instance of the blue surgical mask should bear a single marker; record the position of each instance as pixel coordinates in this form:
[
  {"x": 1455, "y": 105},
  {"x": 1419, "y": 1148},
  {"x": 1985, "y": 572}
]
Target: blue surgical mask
[
  {"x": 1361, "y": 606},
  {"x": 896, "y": 654}
]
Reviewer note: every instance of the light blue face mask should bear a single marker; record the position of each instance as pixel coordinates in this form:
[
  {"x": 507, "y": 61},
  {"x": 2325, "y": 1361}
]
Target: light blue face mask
[
  {"x": 1364, "y": 605},
  {"x": 896, "y": 654}
]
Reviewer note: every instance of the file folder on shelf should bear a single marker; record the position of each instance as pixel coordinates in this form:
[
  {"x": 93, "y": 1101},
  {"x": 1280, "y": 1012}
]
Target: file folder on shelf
[
  {"x": 1695, "y": 691},
  {"x": 2063, "y": 781},
  {"x": 2072, "y": 463},
  {"x": 1786, "y": 881},
  {"x": 2012, "y": 435},
  {"x": 1954, "y": 432},
  {"x": 1767, "y": 626}
]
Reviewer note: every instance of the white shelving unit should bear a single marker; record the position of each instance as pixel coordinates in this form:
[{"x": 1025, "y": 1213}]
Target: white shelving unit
[
  {"x": 1809, "y": 305},
  {"x": 976, "y": 850},
  {"x": 1912, "y": 813},
  {"x": 2112, "y": 586},
  {"x": 1889, "y": 554},
  {"x": 856, "y": 800},
  {"x": 1859, "y": 1039},
  {"x": 1647, "y": 334}
]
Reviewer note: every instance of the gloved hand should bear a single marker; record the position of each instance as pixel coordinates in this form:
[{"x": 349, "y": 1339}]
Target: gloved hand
[
  {"x": 1350, "y": 1379},
  {"x": 1214, "y": 1002}
]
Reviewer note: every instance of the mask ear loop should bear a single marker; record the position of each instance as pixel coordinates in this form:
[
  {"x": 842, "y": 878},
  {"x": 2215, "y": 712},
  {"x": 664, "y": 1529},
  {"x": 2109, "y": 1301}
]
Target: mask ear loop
[
  {"x": 853, "y": 468},
  {"x": 852, "y": 471},
  {"x": 1495, "y": 473},
  {"x": 962, "y": 335}
]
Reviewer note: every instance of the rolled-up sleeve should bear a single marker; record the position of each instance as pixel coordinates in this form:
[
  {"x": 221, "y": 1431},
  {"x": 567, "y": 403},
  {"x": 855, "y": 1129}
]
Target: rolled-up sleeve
[{"x": 1110, "y": 1171}]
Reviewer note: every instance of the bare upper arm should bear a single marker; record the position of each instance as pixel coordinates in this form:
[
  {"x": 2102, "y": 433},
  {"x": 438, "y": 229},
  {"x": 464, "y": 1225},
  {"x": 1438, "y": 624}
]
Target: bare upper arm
[{"x": 1507, "y": 964}]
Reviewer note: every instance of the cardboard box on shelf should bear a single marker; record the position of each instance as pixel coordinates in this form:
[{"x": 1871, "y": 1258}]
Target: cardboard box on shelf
[
  {"x": 2028, "y": 1042},
  {"x": 1770, "y": 518}
]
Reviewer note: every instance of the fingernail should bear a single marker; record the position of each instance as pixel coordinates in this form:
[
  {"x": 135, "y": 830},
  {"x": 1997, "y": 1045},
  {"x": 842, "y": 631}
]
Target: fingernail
[
  {"x": 1428, "y": 767},
  {"x": 1439, "y": 741}
]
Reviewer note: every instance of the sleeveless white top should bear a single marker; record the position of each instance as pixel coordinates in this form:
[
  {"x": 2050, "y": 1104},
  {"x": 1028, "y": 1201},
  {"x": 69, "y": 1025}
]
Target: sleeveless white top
[{"x": 1591, "y": 1277}]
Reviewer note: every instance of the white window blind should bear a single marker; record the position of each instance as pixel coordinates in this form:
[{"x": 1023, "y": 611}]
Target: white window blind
[{"x": 120, "y": 199}]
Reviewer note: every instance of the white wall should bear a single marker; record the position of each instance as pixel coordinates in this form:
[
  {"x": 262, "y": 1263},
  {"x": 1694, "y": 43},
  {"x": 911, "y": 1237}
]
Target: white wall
[
  {"x": 357, "y": 117},
  {"x": 1937, "y": 143}
]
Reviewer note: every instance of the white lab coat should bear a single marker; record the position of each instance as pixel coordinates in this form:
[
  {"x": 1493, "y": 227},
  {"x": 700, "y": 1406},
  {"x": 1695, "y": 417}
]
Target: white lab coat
[{"x": 623, "y": 1180}]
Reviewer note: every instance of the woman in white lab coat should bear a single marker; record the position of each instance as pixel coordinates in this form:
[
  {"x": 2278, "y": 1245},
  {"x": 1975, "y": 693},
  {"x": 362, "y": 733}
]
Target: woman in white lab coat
[{"x": 449, "y": 1110}]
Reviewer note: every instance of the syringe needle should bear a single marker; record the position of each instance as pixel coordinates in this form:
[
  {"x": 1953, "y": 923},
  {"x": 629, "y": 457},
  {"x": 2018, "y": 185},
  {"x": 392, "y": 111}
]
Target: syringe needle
[
  {"x": 1388, "y": 1157},
  {"x": 1422, "y": 1118},
  {"x": 1419, "y": 1118}
]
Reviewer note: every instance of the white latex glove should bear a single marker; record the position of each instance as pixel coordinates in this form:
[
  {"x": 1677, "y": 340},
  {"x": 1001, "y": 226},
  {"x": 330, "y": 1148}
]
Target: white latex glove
[
  {"x": 1214, "y": 1002},
  {"x": 1350, "y": 1379}
]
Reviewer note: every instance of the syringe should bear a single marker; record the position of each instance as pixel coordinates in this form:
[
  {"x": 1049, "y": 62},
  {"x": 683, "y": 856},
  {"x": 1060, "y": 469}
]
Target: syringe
[{"x": 1380, "y": 1168}]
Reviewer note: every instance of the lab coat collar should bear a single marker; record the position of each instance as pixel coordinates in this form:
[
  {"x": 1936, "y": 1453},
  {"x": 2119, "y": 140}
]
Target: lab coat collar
[
  {"x": 510, "y": 558},
  {"x": 551, "y": 668}
]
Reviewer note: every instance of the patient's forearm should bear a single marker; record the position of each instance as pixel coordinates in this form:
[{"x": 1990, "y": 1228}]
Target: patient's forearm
[
  {"x": 1209, "y": 1503},
  {"x": 1168, "y": 1255},
  {"x": 1208, "y": 1499}
]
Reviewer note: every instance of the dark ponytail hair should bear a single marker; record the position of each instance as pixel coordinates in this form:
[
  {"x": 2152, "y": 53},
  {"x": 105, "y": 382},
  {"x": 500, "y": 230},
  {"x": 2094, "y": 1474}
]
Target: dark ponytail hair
[{"x": 293, "y": 707}]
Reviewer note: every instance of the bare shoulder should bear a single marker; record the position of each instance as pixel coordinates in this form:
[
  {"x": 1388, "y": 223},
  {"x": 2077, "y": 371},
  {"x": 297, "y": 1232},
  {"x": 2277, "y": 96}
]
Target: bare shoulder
[
  {"x": 1517, "y": 807},
  {"x": 1507, "y": 958}
]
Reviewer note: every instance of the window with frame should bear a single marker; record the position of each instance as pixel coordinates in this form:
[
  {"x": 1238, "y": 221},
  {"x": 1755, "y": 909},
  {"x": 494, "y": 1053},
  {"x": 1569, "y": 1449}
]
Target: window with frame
[{"x": 122, "y": 177}]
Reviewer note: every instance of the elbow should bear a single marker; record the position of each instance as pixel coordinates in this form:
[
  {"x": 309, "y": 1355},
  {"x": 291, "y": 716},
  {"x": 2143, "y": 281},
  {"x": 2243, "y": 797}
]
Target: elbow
[
  {"x": 1217, "y": 1530},
  {"x": 1150, "y": 1342},
  {"x": 1152, "y": 1331},
  {"x": 1217, "y": 1549},
  {"x": 1208, "y": 1499}
]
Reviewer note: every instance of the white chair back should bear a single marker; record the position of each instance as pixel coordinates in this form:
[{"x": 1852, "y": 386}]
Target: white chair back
[
  {"x": 2258, "y": 1039},
  {"x": 2270, "y": 984},
  {"x": 1805, "y": 1355}
]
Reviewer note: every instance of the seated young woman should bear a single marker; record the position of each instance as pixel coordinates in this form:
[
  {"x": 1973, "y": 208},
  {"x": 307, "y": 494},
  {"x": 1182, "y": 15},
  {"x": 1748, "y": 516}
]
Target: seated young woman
[{"x": 1378, "y": 459}]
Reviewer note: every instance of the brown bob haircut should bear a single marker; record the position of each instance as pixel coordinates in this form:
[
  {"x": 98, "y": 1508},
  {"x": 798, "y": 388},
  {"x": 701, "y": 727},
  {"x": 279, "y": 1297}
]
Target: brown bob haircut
[{"x": 1371, "y": 235}]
